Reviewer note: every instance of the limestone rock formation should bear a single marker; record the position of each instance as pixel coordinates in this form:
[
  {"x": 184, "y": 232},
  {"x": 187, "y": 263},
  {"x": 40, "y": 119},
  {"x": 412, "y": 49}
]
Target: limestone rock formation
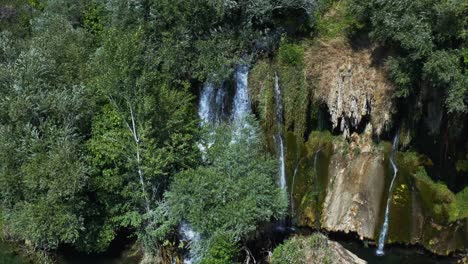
[
  {"x": 354, "y": 194},
  {"x": 342, "y": 255},
  {"x": 352, "y": 86}
]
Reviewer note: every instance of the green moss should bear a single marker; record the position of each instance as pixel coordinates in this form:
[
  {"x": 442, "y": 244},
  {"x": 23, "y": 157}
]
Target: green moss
[
  {"x": 462, "y": 203},
  {"x": 290, "y": 54},
  {"x": 261, "y": 89},
  {"x": 296, "y": 93},
  {"x": 416, "y": 195},
  {"x": 401, "y": 210},
  {"x": 438, "y": 201},
  {"x": 311, "y": 175}
]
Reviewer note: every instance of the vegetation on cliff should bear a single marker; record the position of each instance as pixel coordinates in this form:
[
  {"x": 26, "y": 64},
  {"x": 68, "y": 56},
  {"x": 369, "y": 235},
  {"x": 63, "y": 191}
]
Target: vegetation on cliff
[{"x": 99, "y": 135}]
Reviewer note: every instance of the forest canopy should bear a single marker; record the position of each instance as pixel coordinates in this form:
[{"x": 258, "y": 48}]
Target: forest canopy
[{"x": 99, "y": 133}]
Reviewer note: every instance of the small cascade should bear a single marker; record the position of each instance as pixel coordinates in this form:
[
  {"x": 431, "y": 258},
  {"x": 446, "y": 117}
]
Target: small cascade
[
  {"x": 279, "y": 120},
  {"x": 188, "y": 235},
  {"x": 241, "y": 98},
  {"x": 210, "y": 110},
  {"x": 211, "y": 107},
  {"x": 205, "y": 109},
  {"x": 383, "y": 233},
  {"x": 315, "y": 171},
  {"x": 291, "y": 198}
]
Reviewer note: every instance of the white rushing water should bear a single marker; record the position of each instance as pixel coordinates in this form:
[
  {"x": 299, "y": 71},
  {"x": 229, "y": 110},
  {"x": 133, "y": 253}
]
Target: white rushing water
[
  {"x": 188, "y": 235},
  {"x": 383, "y": 233},
  {"x": 205, "y": 109},
  {"x": 241, "y": 105},
  {"x": 211, "y": 108},
  {"x": 291, "y": 198},
  {"x": 315, "y": 171},
  {"x": 279, "y": 120}
]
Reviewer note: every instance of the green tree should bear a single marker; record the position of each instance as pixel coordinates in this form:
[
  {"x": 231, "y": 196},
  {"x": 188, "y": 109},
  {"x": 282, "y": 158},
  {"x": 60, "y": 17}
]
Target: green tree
[
  {"x": 234, "y": 192},
  {"x": 145, "y": 133},
  {"x": 428, "y": 37},
  {"x": 42, "y": 116}
]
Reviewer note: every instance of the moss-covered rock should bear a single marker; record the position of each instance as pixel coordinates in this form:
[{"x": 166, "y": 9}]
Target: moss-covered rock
[
  {"x": 308, "y": 166},
  {"x": 312, "y": 249},
  {"x": 423, "y": 211},
  {"x": 298, "y": 105}
]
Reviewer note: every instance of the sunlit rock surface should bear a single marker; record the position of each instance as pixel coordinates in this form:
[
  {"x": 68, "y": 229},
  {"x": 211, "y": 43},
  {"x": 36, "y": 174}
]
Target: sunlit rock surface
[
  {"x": 352, "y": 85},
  {"x": 354, "y": 194}
]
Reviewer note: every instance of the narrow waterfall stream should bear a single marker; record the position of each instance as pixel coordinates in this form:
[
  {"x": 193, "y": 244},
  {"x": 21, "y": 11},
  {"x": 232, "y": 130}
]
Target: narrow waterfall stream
[
  {"x": 383, "y": 233},
  {"x": 211, "y": 108},
  {"x": 291, "y": 198},
  {"x": 241, "y": 98},
  {"x": 279, "y": 120}
]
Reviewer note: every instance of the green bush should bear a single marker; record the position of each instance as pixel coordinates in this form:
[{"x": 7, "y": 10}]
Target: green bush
[{"x": 303, "y": 250}]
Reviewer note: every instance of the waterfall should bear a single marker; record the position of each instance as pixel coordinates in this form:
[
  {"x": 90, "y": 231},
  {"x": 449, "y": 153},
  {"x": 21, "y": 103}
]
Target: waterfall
[
  {"x": 205, "y": 109},
  {"x": 211, "y": 108},
  {"x": 282, "y": 166},
  {"x": 315, "y": 170},
  {"x": 383, "y": 233},
  {"x": 241, "y": 98},
  {"x": 279, "y": 119},
  {"x": 188, "y": 235},
  {"x": 292, "y": 189}
]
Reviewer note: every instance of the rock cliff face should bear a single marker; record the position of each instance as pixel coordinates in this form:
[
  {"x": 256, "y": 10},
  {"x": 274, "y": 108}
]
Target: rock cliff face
[
  {"x": 354, "y": 194},
  {"x": 354, "y": 89}
]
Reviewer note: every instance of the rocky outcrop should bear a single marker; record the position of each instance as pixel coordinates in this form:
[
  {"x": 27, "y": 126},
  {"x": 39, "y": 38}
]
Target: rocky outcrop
[
  {"x": 341, "y": 255},
  {"x": 422, "y": 212},
  {"x": 354, "y": 89},
  {"x": 313, "y": 249},
  {"x": 354, "y": 193}
]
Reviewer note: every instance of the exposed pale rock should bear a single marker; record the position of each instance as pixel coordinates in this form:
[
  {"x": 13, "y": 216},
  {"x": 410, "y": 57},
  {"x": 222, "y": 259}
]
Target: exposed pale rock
[
  {"x": 354, "y": 193},
  {"x": 351, "y": 86},
  {"x": 342, "y": 255}
]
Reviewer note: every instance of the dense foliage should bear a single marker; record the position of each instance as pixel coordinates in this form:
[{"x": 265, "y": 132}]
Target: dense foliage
[
  {"x": 430, "y": 39},
  {"x": 233, "y": 193},
  {"x": 99, "y": 135},
  {"x": 97, "y": 116}
]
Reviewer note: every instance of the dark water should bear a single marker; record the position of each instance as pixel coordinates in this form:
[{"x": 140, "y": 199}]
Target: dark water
[{"x": 393, "y": 254}]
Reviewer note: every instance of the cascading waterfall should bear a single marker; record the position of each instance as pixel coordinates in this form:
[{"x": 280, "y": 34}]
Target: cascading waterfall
[
  {"x": 291, "y": 198},
  {"x": 210, "y": 110},
  {"x": 279, "y": 118},
  {"x": 205, "y": 106},
  {"x": 383, "y": 233},
  {"x": 315, "y": 170},
  {"x": 241, "y": 98},
  {"x": 189, "y": 236}
]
